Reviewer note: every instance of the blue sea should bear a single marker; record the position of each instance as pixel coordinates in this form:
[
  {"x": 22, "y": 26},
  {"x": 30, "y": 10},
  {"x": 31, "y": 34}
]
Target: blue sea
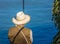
[{"x": 41, "y": 19}]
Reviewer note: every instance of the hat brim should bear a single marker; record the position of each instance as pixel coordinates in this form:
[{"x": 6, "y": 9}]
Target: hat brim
[{"x": 24, "y": 21}]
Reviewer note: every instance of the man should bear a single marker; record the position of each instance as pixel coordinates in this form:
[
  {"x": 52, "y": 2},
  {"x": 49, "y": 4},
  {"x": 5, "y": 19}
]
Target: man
[{"x": 19, "y": 34}]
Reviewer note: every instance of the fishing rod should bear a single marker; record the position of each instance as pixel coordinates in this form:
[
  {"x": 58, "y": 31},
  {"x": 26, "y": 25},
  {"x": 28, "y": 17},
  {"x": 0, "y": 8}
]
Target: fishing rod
[{"x": 23, "y": 5}]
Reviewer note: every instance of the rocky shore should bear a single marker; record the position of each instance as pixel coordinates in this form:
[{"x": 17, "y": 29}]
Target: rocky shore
[
  {"x": 56, "y": 19},
  {"x": 56, "y": 7}
]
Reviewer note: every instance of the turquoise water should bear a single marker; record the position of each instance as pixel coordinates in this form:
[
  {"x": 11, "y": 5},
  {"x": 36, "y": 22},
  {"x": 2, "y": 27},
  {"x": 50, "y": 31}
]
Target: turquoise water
[{"x": 41, "y": 19}]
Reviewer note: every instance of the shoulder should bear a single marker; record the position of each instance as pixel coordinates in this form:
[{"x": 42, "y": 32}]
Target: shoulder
[
  {"x": 26, "y": 30},
  {"x": 13, "y": 30}
]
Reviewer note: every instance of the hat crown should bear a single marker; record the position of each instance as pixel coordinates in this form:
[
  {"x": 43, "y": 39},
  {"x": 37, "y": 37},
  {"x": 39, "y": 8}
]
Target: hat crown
[{"x": 20, "y": 15}]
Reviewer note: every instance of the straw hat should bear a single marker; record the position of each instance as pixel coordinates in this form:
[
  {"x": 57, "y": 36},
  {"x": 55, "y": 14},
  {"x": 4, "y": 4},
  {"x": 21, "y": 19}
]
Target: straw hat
[{"x": 21, "y": 18}]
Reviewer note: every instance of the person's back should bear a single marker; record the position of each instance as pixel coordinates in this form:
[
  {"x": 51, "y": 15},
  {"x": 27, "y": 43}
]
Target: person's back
[{"x": 23, "y": 36}]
